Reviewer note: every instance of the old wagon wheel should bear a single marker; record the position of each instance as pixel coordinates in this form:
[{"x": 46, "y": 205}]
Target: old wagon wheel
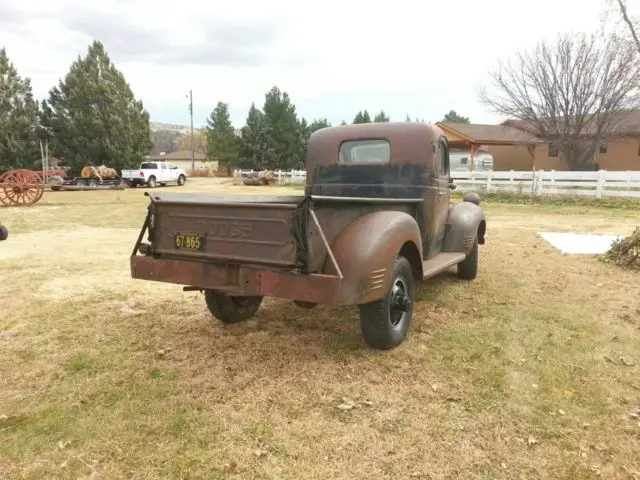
[{"x": 20, "y": 187}]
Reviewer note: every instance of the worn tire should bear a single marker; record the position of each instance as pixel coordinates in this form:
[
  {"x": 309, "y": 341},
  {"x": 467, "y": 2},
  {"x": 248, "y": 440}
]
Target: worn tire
[
  {"x": 377, "y": 320},
  {"x": 151, "y": 182},
  {"x": 181, "y": 180},
  {"x": 468, "y": 268},
  {"x": 229, "y": 309},
  {"x": 4, "y": 233}
]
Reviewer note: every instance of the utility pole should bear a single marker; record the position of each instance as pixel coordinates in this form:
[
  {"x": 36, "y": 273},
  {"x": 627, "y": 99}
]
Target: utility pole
[{"x": 193, "y": 142}]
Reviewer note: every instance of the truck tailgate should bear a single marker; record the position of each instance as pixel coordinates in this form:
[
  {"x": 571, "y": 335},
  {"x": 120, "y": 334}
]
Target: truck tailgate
[{"x": 246, "y": 229}]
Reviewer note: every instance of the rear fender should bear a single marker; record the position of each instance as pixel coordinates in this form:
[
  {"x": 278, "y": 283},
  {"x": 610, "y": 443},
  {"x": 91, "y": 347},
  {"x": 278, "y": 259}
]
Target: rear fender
[
  {"x": 465, "y": 224},
  {"x": 366, "y": 252}
]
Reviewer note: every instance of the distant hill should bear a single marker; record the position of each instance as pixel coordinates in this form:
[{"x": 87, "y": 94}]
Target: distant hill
[
  {"x": 168, "y": 137},
  {"x": 155, "y": 126}
]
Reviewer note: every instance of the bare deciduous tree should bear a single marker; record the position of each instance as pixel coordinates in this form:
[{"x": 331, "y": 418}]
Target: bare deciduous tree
[
  {"x": 572, "y": 92},
  {"x": 626, "y": 18}
]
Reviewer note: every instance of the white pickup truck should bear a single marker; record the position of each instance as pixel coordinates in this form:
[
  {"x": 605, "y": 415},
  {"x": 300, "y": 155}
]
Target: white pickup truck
[{"x": 154, "y": 173}]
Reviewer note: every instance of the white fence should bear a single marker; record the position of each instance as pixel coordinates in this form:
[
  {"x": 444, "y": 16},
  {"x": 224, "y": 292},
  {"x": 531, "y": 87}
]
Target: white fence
[{"x": 598, "y": 184}]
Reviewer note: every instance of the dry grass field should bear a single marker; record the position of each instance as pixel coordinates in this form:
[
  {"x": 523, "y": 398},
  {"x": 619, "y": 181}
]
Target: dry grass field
[{"x": 530, "y": 371}]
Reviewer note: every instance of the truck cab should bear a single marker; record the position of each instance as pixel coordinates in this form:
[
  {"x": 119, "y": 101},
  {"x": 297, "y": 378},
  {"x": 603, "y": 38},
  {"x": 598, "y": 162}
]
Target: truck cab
[
  {"x": 375, "y": 218},
  {"x": 398, "y": 162}
]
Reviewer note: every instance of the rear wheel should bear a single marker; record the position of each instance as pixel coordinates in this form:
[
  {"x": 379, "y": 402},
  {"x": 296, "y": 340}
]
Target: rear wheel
[
  {"x": 80, "y": 183},
  {"x": 229, "y": 309},
  {"x": 468, "y": 268},
  {"x": 151, "y": 182},
  {"x": 4, "y": 233},
  {"x": 385, "y": 322},
  {"x": 92, "y": 182}
]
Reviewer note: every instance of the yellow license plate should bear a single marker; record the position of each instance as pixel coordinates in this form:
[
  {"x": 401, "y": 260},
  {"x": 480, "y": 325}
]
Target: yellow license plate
[{"x": 189, "y": 241}]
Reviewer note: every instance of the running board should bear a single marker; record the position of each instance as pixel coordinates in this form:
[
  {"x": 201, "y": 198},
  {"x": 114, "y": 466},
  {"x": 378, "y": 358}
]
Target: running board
[{"x": 440, "y": 262}]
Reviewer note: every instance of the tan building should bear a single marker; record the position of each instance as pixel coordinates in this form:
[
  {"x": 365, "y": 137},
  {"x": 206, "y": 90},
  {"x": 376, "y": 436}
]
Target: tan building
[{"x": 514, "y": 147}]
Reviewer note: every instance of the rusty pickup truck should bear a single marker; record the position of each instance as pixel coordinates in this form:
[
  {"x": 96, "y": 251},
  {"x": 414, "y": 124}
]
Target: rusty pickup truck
[{"x": 375, "y": 218}]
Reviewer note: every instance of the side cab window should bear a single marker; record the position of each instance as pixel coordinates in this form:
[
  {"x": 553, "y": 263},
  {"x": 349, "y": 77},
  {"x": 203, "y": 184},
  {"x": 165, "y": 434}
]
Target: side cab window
[{"x": 443, "y": 158}]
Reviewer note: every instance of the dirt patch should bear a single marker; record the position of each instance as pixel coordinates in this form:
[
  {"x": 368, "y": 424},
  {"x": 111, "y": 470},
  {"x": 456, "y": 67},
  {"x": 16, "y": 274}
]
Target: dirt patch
[{"x": 86, "y": 244}]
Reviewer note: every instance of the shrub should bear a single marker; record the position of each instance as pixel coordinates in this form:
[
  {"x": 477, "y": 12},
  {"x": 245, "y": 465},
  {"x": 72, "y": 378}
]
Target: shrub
[{"x": 625, "y": 251}]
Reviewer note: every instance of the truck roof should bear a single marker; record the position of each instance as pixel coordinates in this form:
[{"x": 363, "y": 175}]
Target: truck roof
[{"x": 409, "y": 141}]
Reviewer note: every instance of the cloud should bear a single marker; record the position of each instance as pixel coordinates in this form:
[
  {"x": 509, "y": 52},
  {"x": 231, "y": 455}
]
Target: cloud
[
  {"x": 220, "y": 41},
  {"x": 12, "y": 19},
  {"x": 224, "y": 43},
  {"x": 333, "y": 58}
]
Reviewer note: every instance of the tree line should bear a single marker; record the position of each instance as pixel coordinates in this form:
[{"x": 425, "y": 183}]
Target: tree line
[{"x": 273, "y": 136}]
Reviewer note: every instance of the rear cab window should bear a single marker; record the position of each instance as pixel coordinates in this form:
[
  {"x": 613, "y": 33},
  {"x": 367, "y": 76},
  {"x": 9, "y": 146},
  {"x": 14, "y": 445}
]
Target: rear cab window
[
  {"x": 364, "y": 152},
  {"x": 150, "y": 165}
]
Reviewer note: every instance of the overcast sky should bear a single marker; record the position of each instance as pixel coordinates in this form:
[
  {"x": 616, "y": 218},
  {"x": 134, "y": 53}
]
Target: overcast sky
[{"x": 333, "y": 57}]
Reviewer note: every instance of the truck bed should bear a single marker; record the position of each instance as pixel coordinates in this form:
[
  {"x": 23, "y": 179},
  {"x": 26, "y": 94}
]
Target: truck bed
[{"x": 260, "y": 230}]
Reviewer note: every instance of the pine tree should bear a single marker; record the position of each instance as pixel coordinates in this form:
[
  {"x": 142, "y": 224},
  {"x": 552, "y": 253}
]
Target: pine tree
[
  {"x": 307, "y": 130},
  {"x": 222, "y": 143},
  {"x": 381, "y": 117},
  {"x": 93, "y": 117},
  {"x": 284, "y": 129},
  {"x": 362, "y": 117},
  {"x": 18, "y": 118},
  {"x": 453, "y": 117},
  {"x": 256, "y": 149}
]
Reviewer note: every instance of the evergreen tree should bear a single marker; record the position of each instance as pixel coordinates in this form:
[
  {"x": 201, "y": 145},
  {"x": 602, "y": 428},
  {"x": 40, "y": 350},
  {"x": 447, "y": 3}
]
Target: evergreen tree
[
  {"x": 93, "y": 117},
  {"x": 362, "y": 117},
  {"x": 284, "y": 129},
  {"x": 318, "y": 124},
  {"x": 222, "y": 144},
  {"x": 408, "y": 119},
  {"x": 453, "y": 117},
  {"x": 256, "y": 150},
  {"x": 18, "y": 118},
  {"x": 306, "y": 134},
  {"x": 381, "y": 117}
]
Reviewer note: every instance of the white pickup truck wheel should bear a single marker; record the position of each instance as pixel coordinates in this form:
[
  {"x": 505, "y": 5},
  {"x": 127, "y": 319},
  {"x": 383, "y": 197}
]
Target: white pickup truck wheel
[
  {"x": 151, "y": 182},
  {"x": 181, "y": 180}
]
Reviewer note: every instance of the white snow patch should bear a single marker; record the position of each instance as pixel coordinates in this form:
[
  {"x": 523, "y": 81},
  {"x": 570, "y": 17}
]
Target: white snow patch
[{"x": 580, "y": 243}]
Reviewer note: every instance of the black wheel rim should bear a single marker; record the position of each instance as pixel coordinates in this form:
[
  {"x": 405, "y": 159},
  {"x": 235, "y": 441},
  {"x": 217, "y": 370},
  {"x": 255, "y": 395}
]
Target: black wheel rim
[{"x": 399, "y": 302}]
